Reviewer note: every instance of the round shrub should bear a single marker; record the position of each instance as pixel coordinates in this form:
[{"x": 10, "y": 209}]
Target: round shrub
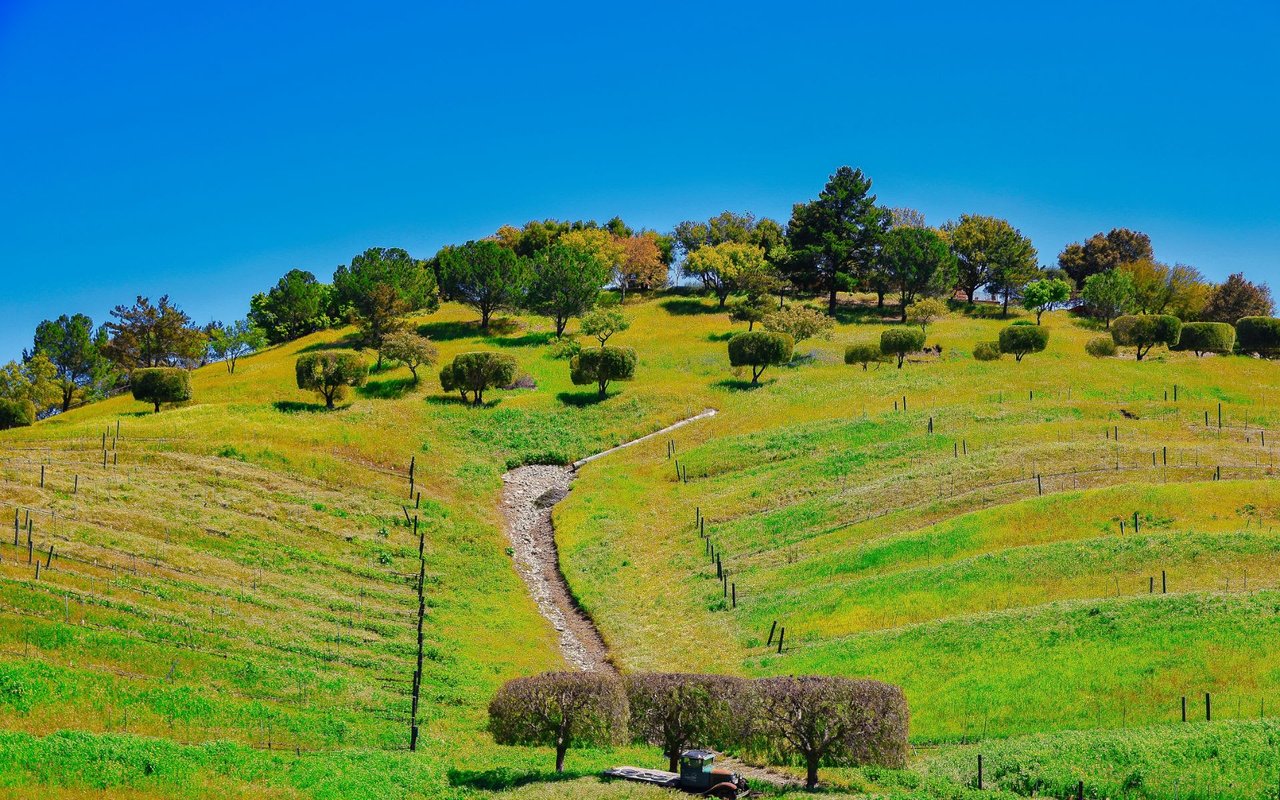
[
  {"x": 473, "y": 373},
  {"x": 560, "y": 710},
  {"x": 987, "y": 351},
  {"x": 1207, "y": 337},
  {"x": 600, "y": 365},
  {"x": 759, "y": 350},
  {"x": 1019, "y": 340},
  {"x": 1100, "y": 347},
  {"x": 900, "y": 342},
  {"x": 158, "y": 385},
  {"x": 1145, "y": 331},
  {"x": 864, "y": 354},
  {"x": 1022, "y": 322},
  {"x": 16, "y": 414},
  {"x": 329, "y": 373},
  {"x": 1259, "y": 335}
]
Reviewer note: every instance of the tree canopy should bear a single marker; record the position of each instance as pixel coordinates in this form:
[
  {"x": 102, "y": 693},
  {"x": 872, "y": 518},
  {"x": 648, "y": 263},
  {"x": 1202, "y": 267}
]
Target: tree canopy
[
  {"x": 760, "y": 350},
  {"x": 1044, "y": 295},
  {"x": 330, "y": 373},
  {"x": 559, "y": 710},
  {"x": 297, "y": 305},
  {"x": 1238, "y": 297},
  {"x": 1103, "y": 252},
  {"x": 1108, "y": 295},
  {"x": 157, "y": 385},
  {"x": 486, "y": 276},
  {"x": 472, "y": 374},
  {"x": 152, "y": 335},
  {"x": 916, "y": 261},
  {"x": 1145, "y": 331},
  {"x": 72, "y": 347},
  {"x": 1021, "y": 340},
  {"x": 601, "y": 366}
]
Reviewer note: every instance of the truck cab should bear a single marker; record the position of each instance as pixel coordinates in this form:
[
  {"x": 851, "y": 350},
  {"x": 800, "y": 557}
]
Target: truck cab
[{"x": 698, "y": 773}]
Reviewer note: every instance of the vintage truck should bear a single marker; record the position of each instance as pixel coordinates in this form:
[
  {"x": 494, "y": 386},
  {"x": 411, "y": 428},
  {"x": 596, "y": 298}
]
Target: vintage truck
[{"x": 698, "y": 775}]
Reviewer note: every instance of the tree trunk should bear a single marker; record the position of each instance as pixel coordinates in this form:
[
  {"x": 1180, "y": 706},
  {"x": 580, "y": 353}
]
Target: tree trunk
[
  {"x": 673, "y": 760},
  {"x": 603, "y": 385},
  {"x": 561, "y": 322},
  {"x": 901, "y": 357},
  {"x": 485, "y": 313},
  {"x": 879, "y": 298},
  {"x": 479, "y": 397},
  {"x": 560, "y": 749},
  {"x": 831, "y": 298},
  {"x": 723, "y": 297},
  {"x": 751, "y": 323},
  {"x": 328, "y": 400},
  {"x": 158, "y": 402},
  {"x": 811, "y": 773}
]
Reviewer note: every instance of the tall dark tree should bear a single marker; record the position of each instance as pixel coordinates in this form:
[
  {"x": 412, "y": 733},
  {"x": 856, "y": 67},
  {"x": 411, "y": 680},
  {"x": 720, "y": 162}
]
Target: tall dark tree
[
  {"x": 295, "y": 306},
  {"x": 565, "y": 283},
  {"x": 1238, "y": 297},
  {"x": 147, "y": 335},
  {"x": 917, "y": 261},
  {"x": 382, "y": 285},
  {"x": 70, "y": 345},
  {"x": 1104, "y": 251},
  {"x": 834, "y": 238},
  {"x": 486, "y": 276}
]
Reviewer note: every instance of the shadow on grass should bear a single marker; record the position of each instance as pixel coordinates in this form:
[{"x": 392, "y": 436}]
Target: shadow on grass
[
  {"x": 738, "y": 385},
  {"x": 983, "y": 310},
  {"x": 581, "y": 399},
  {"x": 455, "y": 400},
  {"x": 349, "y": 342},
  {"x": 504, "y": 778},
  {"x": 859, "y": 314},
  {"x": 295, "y": 407},
  {"x": 527, "y": 340},
  {"x": 448, "y": 331},
  {"x": 390, "y": 389},
  {"x": 721, "y": 337},
  {"x": 690, "y": 306}
]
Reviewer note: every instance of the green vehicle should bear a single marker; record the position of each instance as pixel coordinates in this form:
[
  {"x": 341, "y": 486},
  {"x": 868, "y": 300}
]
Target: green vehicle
[{"x": 698, "y": 775}]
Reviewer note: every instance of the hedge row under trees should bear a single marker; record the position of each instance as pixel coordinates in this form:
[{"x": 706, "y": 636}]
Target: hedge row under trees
[{"x": 811, "y": 720}]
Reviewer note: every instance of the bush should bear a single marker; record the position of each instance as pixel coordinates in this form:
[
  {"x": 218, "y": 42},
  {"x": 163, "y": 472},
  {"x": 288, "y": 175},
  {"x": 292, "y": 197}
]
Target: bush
[
  {"x": 1019, "y": 340},
  {"x": 1145, "y": 331},
  {"x": 329, "y": 373},
  {"x": 1207, "y": 337},
  {"x": 16, "y": 414},
  {"x": 800, "y": 322},
  {"x": 987, "y": 351},
  {"x": 863, "y": 354},
  {"x": 676, "y": 711},
  {"x": 560, "y": 710},
  {"x": 794, "y": 717},
  {"x": 600, "y": 365},
  {"x": 411, "y": 350},
  {"x": 901, "y": 341},
  {"x": 1022, "y": 322},
  {"x": 760, "y": 350},
  {"x": 158, "y": 385},
  {"x": 1100, "y": 347},
  {"x": 923, "y": 312},
  {"x": 564, "y": 347},
  {"x": 1259, "y": 335},
  {"x": 473, "y": 373}
]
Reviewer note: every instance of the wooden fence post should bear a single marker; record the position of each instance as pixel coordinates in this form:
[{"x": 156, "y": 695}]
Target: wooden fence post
[{"x": 772, "y": 628}]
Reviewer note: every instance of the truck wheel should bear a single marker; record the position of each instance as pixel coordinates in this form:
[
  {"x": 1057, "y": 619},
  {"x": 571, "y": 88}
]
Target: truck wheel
[{"x": 723, "y": 791}]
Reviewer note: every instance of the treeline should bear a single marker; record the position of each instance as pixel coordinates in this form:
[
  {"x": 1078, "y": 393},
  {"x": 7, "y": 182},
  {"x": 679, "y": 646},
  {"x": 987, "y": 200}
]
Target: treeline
[
  {"x": 841, "y": 241},
  {"x": 812, "y": 720}
]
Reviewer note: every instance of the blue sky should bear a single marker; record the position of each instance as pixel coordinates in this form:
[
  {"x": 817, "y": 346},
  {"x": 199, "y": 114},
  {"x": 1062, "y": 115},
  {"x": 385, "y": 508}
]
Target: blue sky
[{"x": 204, "y": 149}]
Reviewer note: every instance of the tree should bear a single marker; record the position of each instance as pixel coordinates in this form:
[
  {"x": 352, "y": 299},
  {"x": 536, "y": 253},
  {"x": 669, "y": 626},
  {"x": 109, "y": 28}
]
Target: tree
[
  {"x": 1259, "y": 335},
  {"x": 227, "y": 343},
  {"x": 158, "y": 385},
  {"x": 16, "y": 413},
  {"x": 559, "y": 710},
  {"x": 609, "y": 249},
  {"x": 382, "y": 285},
  {"x": 1100, "y": 347},
  {"x": 1206, "y": 337},
  {"x": 34, "y": 383},
  {"x": 603, "y": 323},
  {"x": 834, "y": 238},
  {"x": 1237, "y": 297},
  {"x": 1159, "y": 288},
  {"x": 1012, "y": 263},
  {"x": 1145, "y": 331},
  {"x": 1103, "y": 253},
  {"x": 676, "y": 711},
  {"x": 864, "y": 354},
  {"x": 989, "y": 252},
  {"x": 641, "y": 267},
  {"x": 760, "y": 350},
  {"x": 473, "y": 373},
  {"x": 1108, "y": 295},
  {"x": 900, "y": 342},
  {"x": 727, "y": 226},
  {"x": 411, "y": 350},
  {"x": 831, "y": 721},
  {"x": 799, "y": 322},
  {"x": 924, "y": 312},
  {"x": 486, "y": 276},
  {"x": 987, "y": 351},
  {"x": 917, "y": 261},
  {"x": 1019, "y": 340},
  {"x": 906, "y": 218},
  {"x": 751, "y": 309},
  {"x": 1045, "y": 295},
  {"x": 297, "y": 305},
  {"x": 146, "y": 335},
  {"x": 565, "y": 282},
  {"x": 330, "y": 373},
  {"x": 602, "y": 365},
  {"x": 728, "y": 267},
  {"x": 71, "y": 347}
]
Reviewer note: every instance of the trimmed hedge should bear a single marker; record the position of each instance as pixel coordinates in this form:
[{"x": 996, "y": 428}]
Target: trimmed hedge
[
  {"x": 1206, "y": 337},
  {"x": 473, "y": 373},
  {"x": 600, "y": 365},
  {"x": 987, "y": 351},
  {"x": 1259, "y": 335},
  {"x": 1145, "y": 331},
  {"x": 1019, "y": 340},
  {"x": 158, "y": 385},
  {"x": 16, "y": 414},
  {"x": 900, "y": 342},
  {"x": 759, "y": 350},
  {"x": 864, "y": 354},
  {"x": 329, "y": 373}
]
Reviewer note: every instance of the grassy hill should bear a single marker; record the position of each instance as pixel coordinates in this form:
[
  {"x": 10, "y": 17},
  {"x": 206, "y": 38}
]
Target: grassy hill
[{"x": 229, "y": 609}]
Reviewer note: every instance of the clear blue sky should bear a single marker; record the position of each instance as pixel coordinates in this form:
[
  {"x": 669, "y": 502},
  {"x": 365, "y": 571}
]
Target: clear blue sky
[{"x": 204, "y": 149}]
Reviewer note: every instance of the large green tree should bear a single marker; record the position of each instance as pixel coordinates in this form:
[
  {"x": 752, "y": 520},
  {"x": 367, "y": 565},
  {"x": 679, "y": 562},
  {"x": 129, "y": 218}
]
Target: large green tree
[
  {"x": 152, "y": 335},
  {"x": 1108, "y": 295},
  {"x": 71, "y": 346},
  {"x": 990, "y": 252},
  {"x": 486, "y": 276},
  {"x": 1103, "y": 252},
  {"x": 566, "y": 281},
  {"x": 834, "y": 239},
  {"x": 1238, "y": 297},
  {"x": 917, "y": 261},
  {"x": 380, "y": 286},
  {"x": 297, "y": 305}
]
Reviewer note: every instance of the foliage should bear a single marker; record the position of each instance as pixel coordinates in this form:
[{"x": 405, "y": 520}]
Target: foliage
[
  {"x": 564, "y": 347},
  {"x": 1108, "y": 295},
  {"x": 560, "y": 710},
  {"x": 1103, "y": 253},
  {"x": 1259, "y": 335},
  {"x": 34, "y": 381},
  {"x": 609, "y": 249},
  {"x": 600, "y": 365},
  {"x": 1101, "y": 347},
  {"x": 751, "y": 309},
  {"x": 158, "y": 385},
  {"x": 677, "y": 711},
  {"x": 1045, "y": 295},
  {"x": 760, "y": 350},
  {"x": 71, "y": 346},
  {"x": 765, "y": 233},
  {"x": 901, "y": 342},
  {"x": 729, "y": 267},
  {"x": 227, "y": 343},
  {"x": 1145, "y": 331},
  {"x": 297, "y": 305},
  {"x": 411, "y": 350},
  {"x": 641, "y": 267},
  {"x": 799, "y": 322},
  {"x": 329, "y": 373},
  {"x": 146, "y": 335},
  {"x": 1238, "y": 297},
  {"x": 603, "y": 323},
  {"x": 833, "y": 239},
  {"x": 380, "y": 286},
  {"x": 925, "y": 312},
  {"x": 16, "y": 413},
  {"x": 830, "y": 721},
  {"x": 474, "y": 373},
  {"x": 916, "y": 261},
  {"x": 1159, "y": 288},
  {"x": 486, "y": 276},
  {"x": 1019, "y": 340},
  {"x": 988, "y": 351},
  {"x": 566, "y": 281},
  {"x": 990, "y": 252},
  {"x": 864, "y": 354},
  {"x": 1206, "y": 337}
]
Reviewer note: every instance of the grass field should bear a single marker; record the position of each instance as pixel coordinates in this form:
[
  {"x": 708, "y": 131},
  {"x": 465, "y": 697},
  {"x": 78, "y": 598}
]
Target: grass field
[{"x": 229, "y": 609}]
